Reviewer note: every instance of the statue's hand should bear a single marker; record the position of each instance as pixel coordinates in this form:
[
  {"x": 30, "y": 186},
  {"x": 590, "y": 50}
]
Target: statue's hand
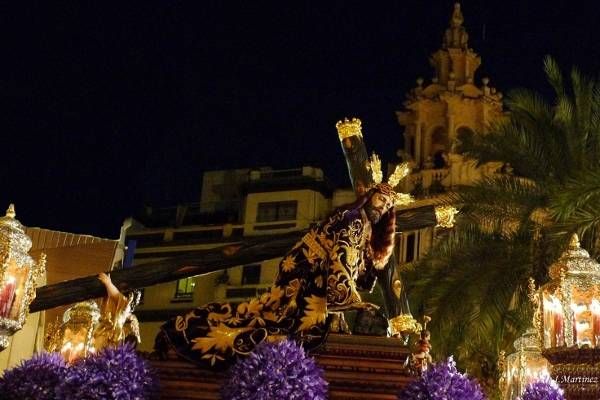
[
  {"x": 104, "y": 278},
  {"x": 111, "y": 289}
]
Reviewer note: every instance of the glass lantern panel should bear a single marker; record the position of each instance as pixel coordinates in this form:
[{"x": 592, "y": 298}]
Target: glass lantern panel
[
  {"x": 595, "y": 311},
  {"x": 74, "y": 343},
  {"x": 513, "y": 376},
  {"x": 586, "y": 316},
  {"x": 536, "y": 367},
  {"x": 553, "y": 321},
  {"x": 522, "y": 368},
  {"x": 12, "y": 289}
]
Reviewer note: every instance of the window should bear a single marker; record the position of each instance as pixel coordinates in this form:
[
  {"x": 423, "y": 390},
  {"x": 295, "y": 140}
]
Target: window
[
  {"x": 251, "y": 274},
  {"x": 411, "y": 146},
  {"x": 277, "y": 211},
  {"x": 411, "y": 246},
  {"x": 185, "y": 288}
]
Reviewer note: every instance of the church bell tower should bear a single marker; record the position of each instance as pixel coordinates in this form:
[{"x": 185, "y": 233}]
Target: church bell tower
[{"x": 437, "y": 112}]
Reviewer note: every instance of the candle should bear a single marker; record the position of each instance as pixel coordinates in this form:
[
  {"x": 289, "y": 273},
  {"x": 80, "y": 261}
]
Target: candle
[
  {"x": 7, "y": 296},
  {"x": 558, "y": 321},
  {"x": 555, "y": 318},
  {"x": 548, "y": 322},
  {"x": 595, "y": 307}
]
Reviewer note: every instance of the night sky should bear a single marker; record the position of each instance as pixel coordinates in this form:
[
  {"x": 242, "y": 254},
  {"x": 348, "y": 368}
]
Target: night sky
[{"x": 107, "y": 108}]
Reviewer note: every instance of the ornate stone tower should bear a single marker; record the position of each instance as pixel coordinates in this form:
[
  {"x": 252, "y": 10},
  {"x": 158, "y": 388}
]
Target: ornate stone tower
[{"x": 436, "y": 113}]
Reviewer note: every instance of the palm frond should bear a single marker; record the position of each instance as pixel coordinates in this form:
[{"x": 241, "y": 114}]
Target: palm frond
[
  {"x": 554, "y": 75},
  {"x": 582, "y": 191},
  {"x": 499, "y": 200},
  {"x": 475, "y": 289}
]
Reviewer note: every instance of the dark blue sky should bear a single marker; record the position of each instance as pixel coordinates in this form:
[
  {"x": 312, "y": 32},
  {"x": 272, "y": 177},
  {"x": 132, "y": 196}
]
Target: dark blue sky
[{"x": 106, "y": 108}]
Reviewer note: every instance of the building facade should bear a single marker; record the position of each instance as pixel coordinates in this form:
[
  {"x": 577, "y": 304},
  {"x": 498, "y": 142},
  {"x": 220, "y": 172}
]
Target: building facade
[{"x": 436, "y": 114}]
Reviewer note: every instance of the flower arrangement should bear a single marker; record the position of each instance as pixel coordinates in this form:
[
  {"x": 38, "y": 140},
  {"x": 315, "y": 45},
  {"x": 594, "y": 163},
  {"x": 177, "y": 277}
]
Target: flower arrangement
[
  {"x": 114, "y": 373},
  {"x": 440, "y": 382},
  {"x": 543, "y": 389},
  {"x": 36, "y": 378},
  {"x": 279, "y": 370}
]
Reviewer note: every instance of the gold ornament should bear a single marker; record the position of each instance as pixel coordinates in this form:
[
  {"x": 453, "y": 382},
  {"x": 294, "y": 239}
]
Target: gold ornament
[
  {"x": 445, "y": 216},
  {"x": 400, "y": 172},
  {"x": 374, "y": 165},
  {"x": 348, "y": 128},
  {"x": 404, "y": 323},
  {"x": 534, "y": 297}
]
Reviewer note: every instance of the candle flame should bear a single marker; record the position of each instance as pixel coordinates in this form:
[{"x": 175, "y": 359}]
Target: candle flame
[
  {"x": 581, "y": 326},
  {"x": 595, "y": 307},
  {"x": 578, "y": 308},
  {"x": 553, "y": 304}
]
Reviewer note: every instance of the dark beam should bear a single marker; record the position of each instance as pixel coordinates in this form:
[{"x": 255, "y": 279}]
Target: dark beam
[{"x": 166, "y": 270}]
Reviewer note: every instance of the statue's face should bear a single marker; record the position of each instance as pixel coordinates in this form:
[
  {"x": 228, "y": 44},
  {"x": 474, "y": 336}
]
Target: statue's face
[{"x": 378, "y": 205}]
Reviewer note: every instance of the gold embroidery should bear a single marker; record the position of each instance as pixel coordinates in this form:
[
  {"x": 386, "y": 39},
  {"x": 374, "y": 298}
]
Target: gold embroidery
[
  {"x": 288, "y": 263},
  {"x": 220, "y": 337},
  {"x": 315, "y": 313},
  {"x": 313, "y": 245}
]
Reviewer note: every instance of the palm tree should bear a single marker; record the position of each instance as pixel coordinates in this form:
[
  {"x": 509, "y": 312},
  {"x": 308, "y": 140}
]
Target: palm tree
[{"x": 513, "y": 224}]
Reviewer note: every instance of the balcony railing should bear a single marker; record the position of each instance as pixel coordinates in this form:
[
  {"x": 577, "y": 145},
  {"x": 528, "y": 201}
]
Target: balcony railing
[{"x": 428, "y": 182}]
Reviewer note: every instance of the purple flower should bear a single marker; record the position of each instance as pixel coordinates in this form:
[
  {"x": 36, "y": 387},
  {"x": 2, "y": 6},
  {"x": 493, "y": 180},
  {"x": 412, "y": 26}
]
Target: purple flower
[
  {"x": 275, "y": 371},
  {"x": 113, "y": 374},
  {"x": 544, "y": 389},
  {"x": 442, "y": 382},
  {"x": 36, "y": 378}
]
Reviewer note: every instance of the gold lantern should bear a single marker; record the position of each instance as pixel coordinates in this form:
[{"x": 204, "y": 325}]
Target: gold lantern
[
  {"x": 74, "y": 338},
  {"x": 568, "y": 319},
  {"x": 86, "y": 329},
  {"x": 18, "y": 276},
  {"x": 523, "y": 366},
  {"x": 569, "y": 305}
]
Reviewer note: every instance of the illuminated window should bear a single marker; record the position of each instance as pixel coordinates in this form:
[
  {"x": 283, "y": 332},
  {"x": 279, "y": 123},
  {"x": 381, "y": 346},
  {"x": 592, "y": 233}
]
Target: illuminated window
[
  {"x": 185, "y": 288},
  {"x": 277, "y": 211}
]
